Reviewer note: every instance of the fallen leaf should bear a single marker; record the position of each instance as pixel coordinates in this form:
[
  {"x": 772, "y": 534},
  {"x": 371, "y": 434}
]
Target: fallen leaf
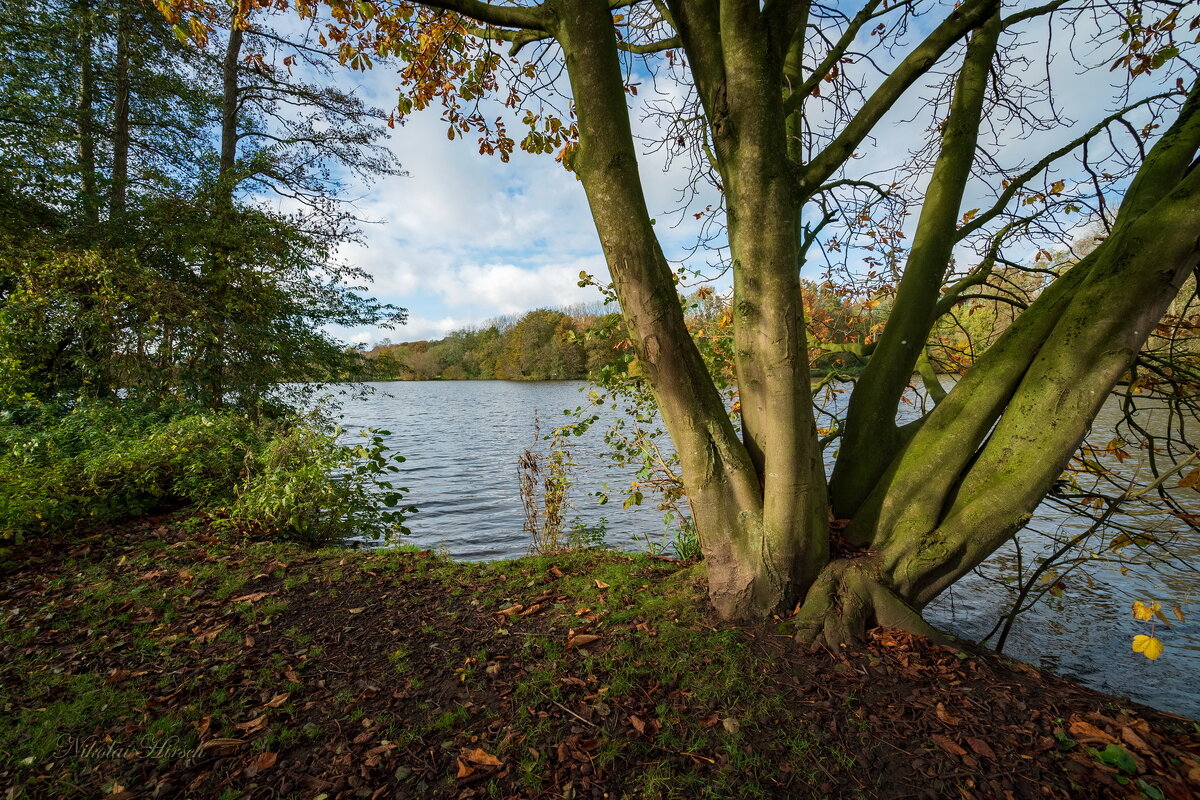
[
  {"x": 358, "y": 610},
  {"x": 1135, "y": 741},
  {"x": 981, "y": 747},
  {"x": 266, "y": 760},
  {"x": 638, "y": 724},
  {"x": 945, "y": 716},
  {"x": 210, "y": 634},
  {"x": 214, "y": 743},
  {"x": 117, "y": 675},
  {"x": 556, "y": 572},
  {"x": 256, "y": 724},
  {"x": 464, "y": 771},
  {"x": 583, "y": 640},
  {"x": 601, "y": 584},
  {"x": 277, "y": 700},
  {"x": 250, "y": 598},
  {"x": 948, "y": 745},
  {"x": 482, "y": 758},
  {"x": 1086, "y": 730},
  {"x": 513, "y": 609},
  {"x": 731, "y": 725}
]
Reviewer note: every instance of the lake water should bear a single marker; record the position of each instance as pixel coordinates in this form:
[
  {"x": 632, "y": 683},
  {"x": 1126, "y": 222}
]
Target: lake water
[{"x": 462, "y": 440}]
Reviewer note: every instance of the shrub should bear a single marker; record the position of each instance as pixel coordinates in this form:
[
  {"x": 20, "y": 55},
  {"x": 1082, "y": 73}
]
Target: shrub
[
  {"x": 102, "y": 461},
  {"x": 305, "y": 486}
]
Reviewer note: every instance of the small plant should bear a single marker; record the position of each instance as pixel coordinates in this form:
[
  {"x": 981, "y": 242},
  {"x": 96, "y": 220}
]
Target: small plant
[
  {"x": 545, "y": 481},
  {"x": 585, "y": 536},
  {"x": 685, "y": 541},
  {"x": 1115, "y": 756}
]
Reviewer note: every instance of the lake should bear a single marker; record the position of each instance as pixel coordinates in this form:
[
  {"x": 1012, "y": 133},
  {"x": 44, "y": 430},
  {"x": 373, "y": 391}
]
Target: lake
[{"x": 462, "y": 440}]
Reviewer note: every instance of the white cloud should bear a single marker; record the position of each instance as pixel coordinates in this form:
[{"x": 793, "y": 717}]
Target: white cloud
[{"x": 510, "y": 289}]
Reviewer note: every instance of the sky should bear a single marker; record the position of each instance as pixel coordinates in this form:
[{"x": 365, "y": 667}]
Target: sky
[{"x": 462, "y": 238}]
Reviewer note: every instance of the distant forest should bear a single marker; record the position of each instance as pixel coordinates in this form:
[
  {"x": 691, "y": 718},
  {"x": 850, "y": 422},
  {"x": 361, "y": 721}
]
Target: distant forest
[
  {"x": 543, "y": 345},
  {"x": 577, "y": 342}
]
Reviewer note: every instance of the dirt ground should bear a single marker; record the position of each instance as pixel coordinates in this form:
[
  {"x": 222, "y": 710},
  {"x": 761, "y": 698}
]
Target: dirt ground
[{"x": 156, "y": 660}]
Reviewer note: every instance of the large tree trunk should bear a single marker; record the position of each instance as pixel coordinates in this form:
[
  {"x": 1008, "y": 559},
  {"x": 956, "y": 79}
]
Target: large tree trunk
[
  {"x": 120, "y": 161},
  {"x": 85, "y": 114},
  {"x": 219, "y": 269},
  {"x": 871, "y": 437},
  {"x": 750, "y": 566}
]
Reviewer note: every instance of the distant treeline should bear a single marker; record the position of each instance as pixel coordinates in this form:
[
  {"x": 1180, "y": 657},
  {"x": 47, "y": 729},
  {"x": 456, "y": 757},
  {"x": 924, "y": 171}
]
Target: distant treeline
[
  {"x": 577, "y": 342},
  {"x": 542, "y": 345}
]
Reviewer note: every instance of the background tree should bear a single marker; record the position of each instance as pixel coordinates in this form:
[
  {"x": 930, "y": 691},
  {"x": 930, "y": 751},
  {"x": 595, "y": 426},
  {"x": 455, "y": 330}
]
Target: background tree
[{"x": 154, "y": 242}]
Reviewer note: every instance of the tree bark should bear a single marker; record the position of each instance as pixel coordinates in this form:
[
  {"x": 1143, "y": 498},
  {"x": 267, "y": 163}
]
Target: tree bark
[
  {"x": 85, "y": 114},
  {"x": 230, "y": 73},
  {"x": 720, "y": 477},
  {"x": 871, "y": 437},
  {"x": 120, "y": 165}
]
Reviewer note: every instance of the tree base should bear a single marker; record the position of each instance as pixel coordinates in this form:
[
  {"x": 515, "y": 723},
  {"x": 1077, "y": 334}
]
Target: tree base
[{"x": 847, "y": 599}]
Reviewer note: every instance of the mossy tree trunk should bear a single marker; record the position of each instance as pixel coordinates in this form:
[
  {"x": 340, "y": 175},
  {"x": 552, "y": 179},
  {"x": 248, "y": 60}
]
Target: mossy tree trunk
[{"x": 926, "y": 503}]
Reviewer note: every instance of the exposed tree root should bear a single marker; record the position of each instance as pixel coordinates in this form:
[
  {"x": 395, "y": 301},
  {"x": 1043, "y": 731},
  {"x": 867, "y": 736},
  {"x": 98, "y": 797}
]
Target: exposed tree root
[{"x": 847, "y": 599}]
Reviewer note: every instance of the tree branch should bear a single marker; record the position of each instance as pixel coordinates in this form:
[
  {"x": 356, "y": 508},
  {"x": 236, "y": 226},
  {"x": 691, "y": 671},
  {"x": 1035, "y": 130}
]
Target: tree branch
[
  {"x": 970, "y": 15},
  {"x": 1019, "y": 182},
  {"x": 533, "y": 17}
]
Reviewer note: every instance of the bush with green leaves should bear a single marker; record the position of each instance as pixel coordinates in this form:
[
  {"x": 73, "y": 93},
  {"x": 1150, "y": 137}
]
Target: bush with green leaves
[
  {"x": 306, "y": 486},
  {"x": 71, "y": 465},
  {"x": 102, "y": 461}
]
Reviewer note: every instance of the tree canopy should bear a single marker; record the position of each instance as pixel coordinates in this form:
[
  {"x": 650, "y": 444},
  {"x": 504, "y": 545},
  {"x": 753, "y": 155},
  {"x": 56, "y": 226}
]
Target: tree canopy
[{"x": 170, "y": 216}]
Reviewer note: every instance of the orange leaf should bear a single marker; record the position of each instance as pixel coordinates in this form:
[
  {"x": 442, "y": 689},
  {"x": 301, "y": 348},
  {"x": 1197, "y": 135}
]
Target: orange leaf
[
  {"x": 277, "y": 700},
  {"x": 1086, "y": 730},
  {"x": 253, "y": 725},
  {"x": 482, "y": 758},
  {"x": 945, "y": 716},
  {"x": 583, "y": 639},
  {"x": 981, "y": 747},
  {"x": 948, "y": 745},
  {"x": 250, "y": 598},
  {"x": 266, "y": 760}
]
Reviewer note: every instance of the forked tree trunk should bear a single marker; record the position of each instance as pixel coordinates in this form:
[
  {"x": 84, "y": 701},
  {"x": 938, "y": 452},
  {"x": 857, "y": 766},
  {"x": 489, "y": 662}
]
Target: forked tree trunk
[{"x": 972, "y": 476}]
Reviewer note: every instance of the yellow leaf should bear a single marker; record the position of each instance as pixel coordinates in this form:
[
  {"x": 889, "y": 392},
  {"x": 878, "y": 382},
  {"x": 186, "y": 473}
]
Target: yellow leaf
[
  {"x": 1057, "y": 187},
  {"x": 1148, "y": 646},
  {"x": 1178, "y": 612},
  {"x": 1145, "y": 612}
]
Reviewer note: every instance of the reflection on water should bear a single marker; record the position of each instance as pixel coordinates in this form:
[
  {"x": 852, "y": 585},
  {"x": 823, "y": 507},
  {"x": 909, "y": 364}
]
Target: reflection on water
[{"x": 462, "y": 440}]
